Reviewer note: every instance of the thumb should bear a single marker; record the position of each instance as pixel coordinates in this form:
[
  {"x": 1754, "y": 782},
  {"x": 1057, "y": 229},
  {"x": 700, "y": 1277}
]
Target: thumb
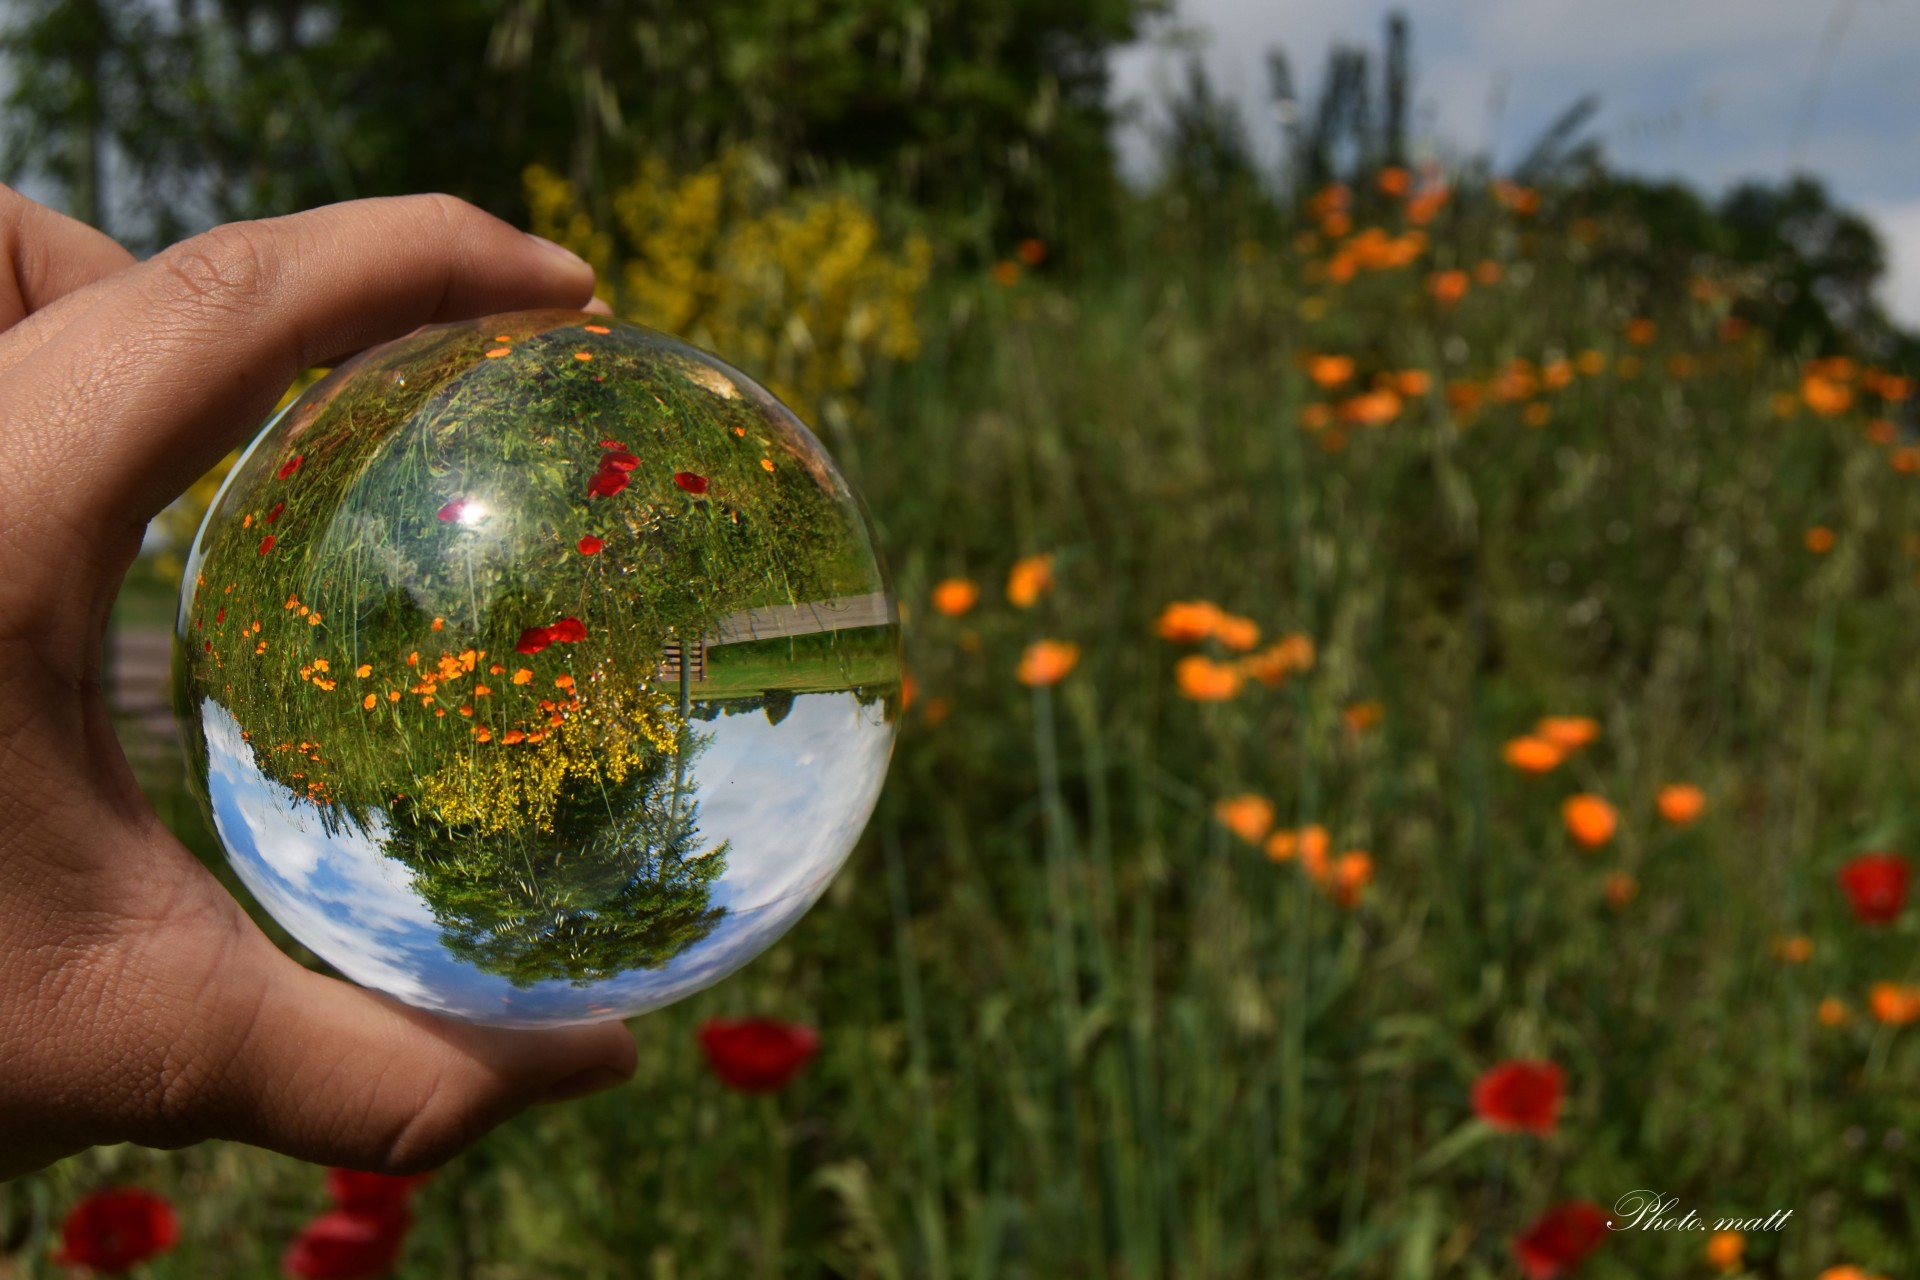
[{"x": 335, "y": 1074}]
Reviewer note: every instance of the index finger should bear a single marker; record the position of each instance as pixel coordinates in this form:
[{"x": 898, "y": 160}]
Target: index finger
[{"x": 179, "y": 359}]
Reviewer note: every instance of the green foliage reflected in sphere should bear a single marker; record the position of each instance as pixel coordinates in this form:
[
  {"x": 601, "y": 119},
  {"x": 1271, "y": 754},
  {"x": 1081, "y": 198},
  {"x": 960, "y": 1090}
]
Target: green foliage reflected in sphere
[{"x": 537, "y": 670}]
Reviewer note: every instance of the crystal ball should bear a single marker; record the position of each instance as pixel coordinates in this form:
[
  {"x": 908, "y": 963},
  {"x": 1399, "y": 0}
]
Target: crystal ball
[{"x": 537, "y": 670}]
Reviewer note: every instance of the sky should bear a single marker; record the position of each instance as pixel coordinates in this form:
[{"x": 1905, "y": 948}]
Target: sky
[
  {"x": 1709, "y": 91},
  {"x": 789, "y": 801}
]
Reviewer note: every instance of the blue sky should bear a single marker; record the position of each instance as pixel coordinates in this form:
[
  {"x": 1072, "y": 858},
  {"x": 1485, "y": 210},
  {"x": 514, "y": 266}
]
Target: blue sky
[
  {"x": 1711, "y": 91},
  {"x": 790, "y": 800}
]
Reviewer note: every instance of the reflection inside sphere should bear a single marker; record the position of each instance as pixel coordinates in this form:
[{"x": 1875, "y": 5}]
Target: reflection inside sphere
[{"x": 536, "y": 671}]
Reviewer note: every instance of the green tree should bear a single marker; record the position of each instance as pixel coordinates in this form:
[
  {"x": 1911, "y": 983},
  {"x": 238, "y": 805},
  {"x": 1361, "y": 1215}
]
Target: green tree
[{"x": 619, "y": 882}]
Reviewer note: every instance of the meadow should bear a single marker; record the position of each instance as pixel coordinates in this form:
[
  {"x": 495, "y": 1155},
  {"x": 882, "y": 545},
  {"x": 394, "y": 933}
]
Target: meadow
[{"x": 1345, "y": 656}]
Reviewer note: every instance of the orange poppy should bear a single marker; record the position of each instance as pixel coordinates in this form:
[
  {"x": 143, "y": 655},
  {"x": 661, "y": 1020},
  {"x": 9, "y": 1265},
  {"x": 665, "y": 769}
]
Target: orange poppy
[
  {"x": 1047, "y": 662},
  {"x": 1641, "y": 331},
  {"x": 1393, "y": 181},
  {"x": 1413, "y": 382},
  {"x": 1680, "y": 803},
  {"x": 1352, "y": 873},
  {"x": 1724, "y": 1250},
  {"x": 1569, "y": 733},
  {"x": 1247, "y": 816},
  {"x": 1204, "y": 680},
  {"x": 1590, "y": 820},
  {"x": 1314, "y": 417},
  {"x": 1371, "y": 408},
  {"x": 1447, "y": 287},
  {"x": 1361, "y": 716},
  {"x": 1031, "y": 251},
  {"x": 1006, "y": 273},
  {"x": 1824, "y": 395},
  {"x": 1794, "y": 948},
  {"x": 1833, "y": 1012},
  {"x": 1236, "y": 633},
  {"x": 954, "y": 596},
  {"x": 1819, "y": 540},
  {"x": 1030, "y": 578},
  {"x": 1620, "y": 890},
  {"x": 1533, "y": 755},
  {"x": 1187, "y": 621},
  {"x": 1329, "y": 371},
  {"x": 1893, "y": 1003}
]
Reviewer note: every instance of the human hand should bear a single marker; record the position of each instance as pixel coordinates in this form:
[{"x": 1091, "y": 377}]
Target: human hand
[{"x": 137, "y": 1000}]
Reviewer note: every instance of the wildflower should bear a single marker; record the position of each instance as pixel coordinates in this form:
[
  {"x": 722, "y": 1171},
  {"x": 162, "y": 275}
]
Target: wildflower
[
  {"x": 583, "y": 355},
  {"x": 344, "y": 1244},
  {"x": 1531, "y": 754},
  {"x": 1894, "y": 1003},
  {"x": 1393, "y": 181},
  {"x": 1486, "y": 272},
  {"x": 1620, "y": 890},
  {"x": 1824, "y": 395},
  {"x": 757, "y": 1055},
  {"x": 1724, "y": 1250},
  {"x": 1329, "y": 371},
  {"x": 452, "y": 511},
  {"x": 116, "y": 1230},
  {"x": 522, "y": 676},
  {"x": 1006, "y": 273},
  {"x": 605, "y": 484},
  {"x": 590, "y": 545},
  {"x": 955, "y": 596},
  {"x": 1680, "y": 803},
  {"x": 1204, "y": 680},
  {"x": 274, "y": 514},
  {"x": 1848, "y": 1272},
  {"x": 1447, "y": 287},
  {"x": 1641, "y": 331},
  {"x": 600, "y": 329},
  {"x": 568, "y": 630},
  {"x": 691, "y": 482},
  {"x": 1590, "y": 820},
  {"x": 290, "y": 466},
  {"x": 1281, "y": 846},
  {"x": 1819, "y": 540},
  {"x": 1876, "y": 886},
  {"x": 615, "y": 445},
  {"x": 1520, "y": 1096},
  {"x": 1187, "y": 621},
  {"x": 1047, "y": 662},
  {"x": 1413, "y": 382},
  {"x": 1031, "y": 251},
  {"x": 1536, "y": 415},
  {"x": 1030, "y": 578},
  {"x": 766, "y": 464},
  {"x": 359, "y": 1192},
  {"x": 266, "y": 544},
  {"x": 494, "y": 353},
  {"x": 618, "y": 460},
  {"x": 1590, "y": 362},
  {"x": 1833, "y": 1012},
  {"x": 1371, "y": 409},
  {"x": 1560, "y": 1239},
  {"x": 1247, "y": 816},
  {"x": 1793, "y": 949},
  {"x": 1352, "y": 873},
  {"x": 563, "y": 681},
  {"x": 1236, "y": 633},
  {"x": 1569, "y": 733},
  {"x": 533, "y": 640},
  {"x": 369, "y": 701},
  {"x": 1315, "y": 417},
  {"x": 1361, "y": 716}
]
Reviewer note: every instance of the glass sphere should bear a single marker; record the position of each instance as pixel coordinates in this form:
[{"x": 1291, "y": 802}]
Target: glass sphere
[{"x": 536, "y": 670}]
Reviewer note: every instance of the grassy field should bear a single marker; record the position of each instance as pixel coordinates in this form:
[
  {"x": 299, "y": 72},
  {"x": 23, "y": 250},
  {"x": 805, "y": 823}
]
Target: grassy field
[{"x": 1076, "y": 1025}]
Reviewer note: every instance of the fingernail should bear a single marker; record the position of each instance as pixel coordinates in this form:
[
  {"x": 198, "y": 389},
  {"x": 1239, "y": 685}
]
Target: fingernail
[
  {"x": 580, "y": 1084},
  {"x": 557, "y": 249}
]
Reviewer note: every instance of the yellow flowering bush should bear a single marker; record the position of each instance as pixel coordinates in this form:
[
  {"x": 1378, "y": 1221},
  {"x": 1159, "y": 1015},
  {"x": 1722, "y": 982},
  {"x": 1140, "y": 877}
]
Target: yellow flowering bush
[{"x": 800, "y": 289}]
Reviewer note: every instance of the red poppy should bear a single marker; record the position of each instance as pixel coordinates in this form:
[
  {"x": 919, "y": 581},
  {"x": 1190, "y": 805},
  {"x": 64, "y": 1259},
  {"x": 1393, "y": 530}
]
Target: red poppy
[
  {"x": 1876, "y": 886},
  {"x": 1560, "y": 1240},
  {"x": 452, "y": 511},
  {"x": 117, "y": 1229},
  {"x": 1520, "y": 1095},
  {"x": 568, "y": 630},
  {"x": 757, "y": 1055},
  {"x": 605, "y": 484},
  {"x": 266, "y": 544},
  {"x": 694, "y": 484},
  {"x": 344, "y": 1245},
  {"x": 372, "y": 1193},
  {"x": 591, "y": 546},
  {"x": 612, "y": 444},
  {"x": 221, "y": 616},
  {"x": 619, "y": 460},
  {"x": 533, "y": 640},
  {"x": 274, "y": 514},
  {"x": 290, "y": 466}
]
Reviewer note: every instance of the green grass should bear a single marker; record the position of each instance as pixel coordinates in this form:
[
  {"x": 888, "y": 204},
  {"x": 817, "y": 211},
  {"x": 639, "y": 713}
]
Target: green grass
[
  {"x": 1074, "y": 1028},
  {"x": 862, "y": 657}
]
